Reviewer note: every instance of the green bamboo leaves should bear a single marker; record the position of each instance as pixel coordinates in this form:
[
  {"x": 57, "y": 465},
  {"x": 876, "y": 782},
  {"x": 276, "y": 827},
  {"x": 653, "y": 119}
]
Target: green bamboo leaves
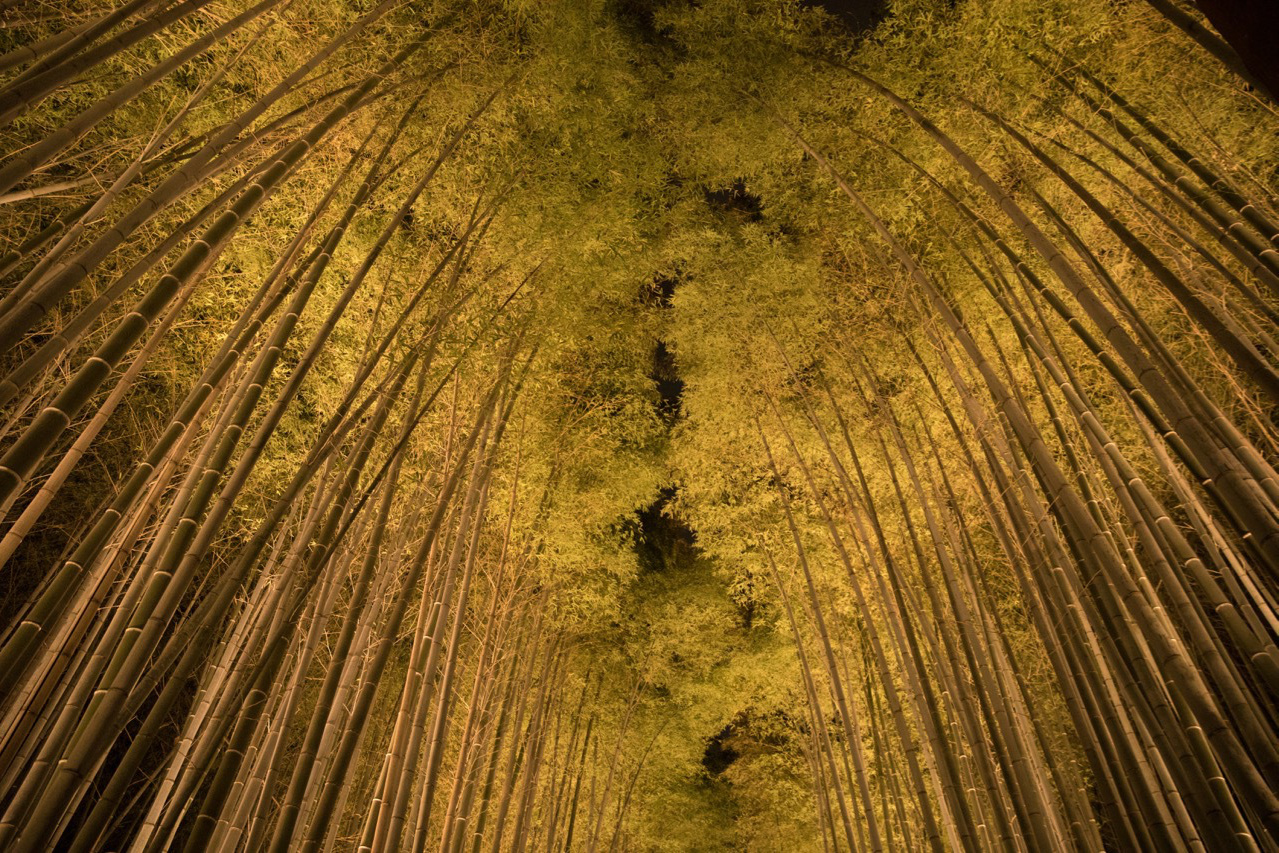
[{"x": 483, "y": 427}]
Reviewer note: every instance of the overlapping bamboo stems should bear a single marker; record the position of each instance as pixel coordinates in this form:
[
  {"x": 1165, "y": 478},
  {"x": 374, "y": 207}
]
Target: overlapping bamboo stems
[
  {"x": 77, "y": 221},
  {"x": 492, "y": 682},
  {"x": 812, "y": 752},
  {"x": 1242, "y": 352},
  {"x": 195, "y": 169},
  {"x": 1254, "y": 214},
  {"x": 1182, "y": 550},
  {"x": 419, "y": 561},
  {"x": 1177, "y": 549},
  {"x": 1107, "y": 633},
  {"x": 384, "y": 571},
  {"x": 71, "y": 332},
  {"x": 57, "y": 478},
  {"x": 1224, "y": 800},
  {"x": 599, "y": 807},
  {"x": 256, "y": 782},
  {"x": 564, "y": 798},
  {"x": 910, "y": 746},
  {"x": 847, "y": 709},
  {"x": 146, "y": 160},
  {"x": 554, "y": 804},
  {"x": 402, "y": 732},
  {"x": 261, "y": 824},
  {"x": 549, "y": 798},
  {"x": 85, "y": 679},
  {"x": 469, "y": 524},
  {"x": 956, "y": 811},
  {"x": 315, "y": 348},
  {"x": 21, "y": 166},
  {"x": 902, "y": 628},
  {"x": 192, "y": 656},
  {"x": 36, "y": 82},
  {"x": 45, "y": 51},
  {"x": 122, "y": 772},
  {"x": 340, "y": 569},
  {"x": 314, "y": 268},
  {"x": 224, "y": 503},
  {"x": 1147, "y": 513},
  {"x": 529, "y": 666},
  {"x": 10, "y": 260},
  {"x": 1113, "y": 530},
  {"x": 573, "y": 805},
  {"x": 185, "y": 422},
  {"x": 334, "y": 532},
  {"x": 1209, "y": 41},
  {"x": 1093, "y": 506},
  {"x": 1021, "y": 321},
  {"x": 949, "y": 665},
  {"x": 534, "y": 746},
  {"x": 1145, "y": 524},
  {"x": 22, "y": 457},
  {"x": 1244, "y": 451},
  {"x": 337, "y": 512},
  {"x": 45, "y": 688},
  {"x": 1033, "y": 815},
  {"x": 1102, "y": 711},
  {"x": 1256, "y": 300},
  {"x": 845, "y": 748},
  {"x": 263, "y": 303},
  {"x": 1170, "y": 759},
  {"x": 1228, "y": 431},
  {"x": 1222, "y": 474},
  {"x": 1229, "y": 221},
  {"x": 822, "y": 741},
  {"x": 401, "y": 754},
  {"x": 259, "y": 308},
  {"x": 479, "y": 725},
  {"x": 1084, "y": 826},
  {"x": 235, "y": 648},
  {"x": 229, "y": 764},
  {"x": 1184, "y": 202},
  {"x": 33, "y": 372},
  {"x": 341, "y": 514},
  {"x": 1074, "y": 514}
]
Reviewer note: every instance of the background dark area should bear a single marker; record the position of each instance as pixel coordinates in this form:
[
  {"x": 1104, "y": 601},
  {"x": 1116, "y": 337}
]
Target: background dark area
[{"x": 1252, "y": 29}]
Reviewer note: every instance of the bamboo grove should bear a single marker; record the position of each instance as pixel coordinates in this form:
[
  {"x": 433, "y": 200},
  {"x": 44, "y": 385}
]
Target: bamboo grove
[{"x": 636, "y": 425}]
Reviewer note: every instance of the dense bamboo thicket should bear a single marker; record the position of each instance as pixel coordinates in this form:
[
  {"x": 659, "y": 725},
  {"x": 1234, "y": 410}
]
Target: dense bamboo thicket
[{"x": 637, "y": 425}]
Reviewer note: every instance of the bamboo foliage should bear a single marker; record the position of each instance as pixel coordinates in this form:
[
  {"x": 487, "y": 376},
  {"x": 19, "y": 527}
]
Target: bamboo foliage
[{"x": 485, "y": 427}]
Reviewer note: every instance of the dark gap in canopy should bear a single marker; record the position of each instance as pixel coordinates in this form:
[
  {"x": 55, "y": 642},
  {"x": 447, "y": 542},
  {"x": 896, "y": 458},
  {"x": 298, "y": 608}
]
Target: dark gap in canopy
[
  {"x": 735, "y": 200},
  {"x": 659, "y": 292},
  {"x": 719, "y": 754},
  {"x": 663, "y": 538},
  {"x": 638, "y": 19},
  {"x": 670, "y": 387},
  {"x": 859, "y": 16},
  {"x": 665, "y": 287}
]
